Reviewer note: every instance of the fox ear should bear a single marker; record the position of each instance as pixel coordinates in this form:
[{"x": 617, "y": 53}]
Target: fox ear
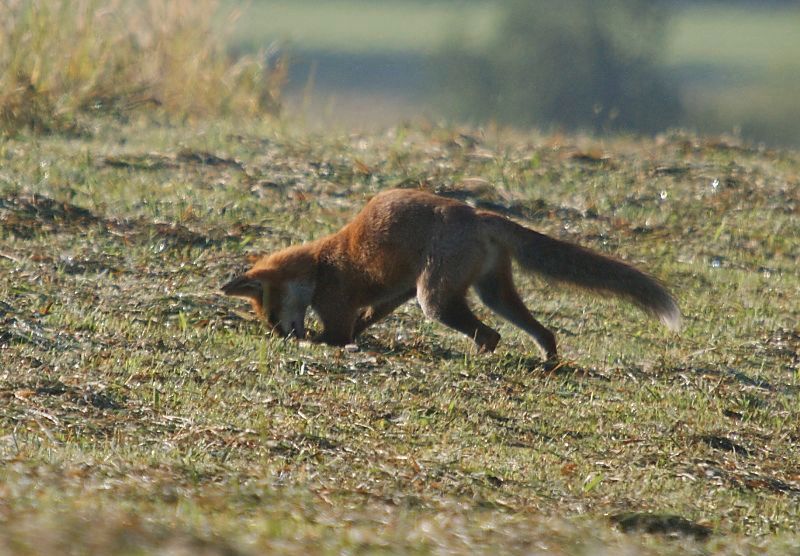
[{"x": 244, "y": 286}]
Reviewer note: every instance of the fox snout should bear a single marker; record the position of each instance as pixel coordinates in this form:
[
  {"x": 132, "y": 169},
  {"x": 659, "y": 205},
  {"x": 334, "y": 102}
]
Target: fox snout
[{"x": 282, "y": 303}]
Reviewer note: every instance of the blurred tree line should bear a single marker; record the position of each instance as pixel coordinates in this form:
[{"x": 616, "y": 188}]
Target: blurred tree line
[{"x": 574, "y": 64}]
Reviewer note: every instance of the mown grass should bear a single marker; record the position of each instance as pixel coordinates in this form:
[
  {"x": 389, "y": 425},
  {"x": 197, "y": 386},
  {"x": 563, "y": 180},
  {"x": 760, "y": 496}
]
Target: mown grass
[{"x": 140, "y": 410}]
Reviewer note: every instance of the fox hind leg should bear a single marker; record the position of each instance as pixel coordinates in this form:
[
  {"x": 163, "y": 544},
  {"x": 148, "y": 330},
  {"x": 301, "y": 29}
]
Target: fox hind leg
[{"x": 496, "y": 290}]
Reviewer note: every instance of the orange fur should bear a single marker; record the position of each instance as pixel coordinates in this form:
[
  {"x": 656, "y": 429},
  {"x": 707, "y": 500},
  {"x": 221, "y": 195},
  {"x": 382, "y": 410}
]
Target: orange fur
[{"x": 406, "y": 243}]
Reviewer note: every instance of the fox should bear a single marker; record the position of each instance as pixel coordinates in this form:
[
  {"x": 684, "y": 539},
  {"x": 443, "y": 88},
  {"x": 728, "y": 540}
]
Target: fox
[{"x": 406, "y": 243}]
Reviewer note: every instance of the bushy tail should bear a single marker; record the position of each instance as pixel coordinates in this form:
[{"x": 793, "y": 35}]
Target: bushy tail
[{"x": 561, "y": 261}]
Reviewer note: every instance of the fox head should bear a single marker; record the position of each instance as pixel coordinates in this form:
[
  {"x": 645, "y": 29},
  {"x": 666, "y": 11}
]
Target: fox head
[{"x": 280, "y": 289}]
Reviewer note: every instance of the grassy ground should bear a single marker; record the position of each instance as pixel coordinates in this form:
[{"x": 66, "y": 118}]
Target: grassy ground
[{"x": 142, "y": 411}]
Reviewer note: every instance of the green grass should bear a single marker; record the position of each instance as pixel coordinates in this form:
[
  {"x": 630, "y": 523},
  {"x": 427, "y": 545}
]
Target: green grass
[{"x": 140, "y": 410}]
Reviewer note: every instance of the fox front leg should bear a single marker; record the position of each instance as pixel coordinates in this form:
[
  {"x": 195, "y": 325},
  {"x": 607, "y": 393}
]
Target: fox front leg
[{"x": 337, "y": 326}]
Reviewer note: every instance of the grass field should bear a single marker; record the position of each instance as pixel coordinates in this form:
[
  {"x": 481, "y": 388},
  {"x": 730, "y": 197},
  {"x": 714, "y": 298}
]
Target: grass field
[
  {"x": 738, "y": 39},
  {"x": 141, "y": 411},
  {"x": 738, "y": 69},
  {"x": 741, "y": 69},
  {"x": 359, "y": 27}
]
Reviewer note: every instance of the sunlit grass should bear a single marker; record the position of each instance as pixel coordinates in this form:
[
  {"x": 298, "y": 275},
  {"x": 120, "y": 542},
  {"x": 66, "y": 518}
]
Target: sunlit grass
[
  {"x": 60, "y": 59},
  {"x": 136, "y": 399}
]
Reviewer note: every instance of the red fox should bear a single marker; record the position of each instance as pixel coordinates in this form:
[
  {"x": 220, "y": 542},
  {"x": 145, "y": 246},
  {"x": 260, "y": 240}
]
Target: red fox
[{"x": 405, "y": 243}]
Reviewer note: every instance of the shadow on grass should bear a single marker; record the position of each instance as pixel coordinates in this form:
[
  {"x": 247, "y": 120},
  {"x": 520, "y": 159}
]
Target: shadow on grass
[
  {"x": 660, "y": 524},
  {"x": 25, "y": 216},
  {"x": 733, "y": 375},
  {"x": 408, "y": 349}
]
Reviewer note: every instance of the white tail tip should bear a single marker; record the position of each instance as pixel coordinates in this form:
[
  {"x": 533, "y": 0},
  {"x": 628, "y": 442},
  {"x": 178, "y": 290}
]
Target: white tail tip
[{"x": 671, "y": 317}]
